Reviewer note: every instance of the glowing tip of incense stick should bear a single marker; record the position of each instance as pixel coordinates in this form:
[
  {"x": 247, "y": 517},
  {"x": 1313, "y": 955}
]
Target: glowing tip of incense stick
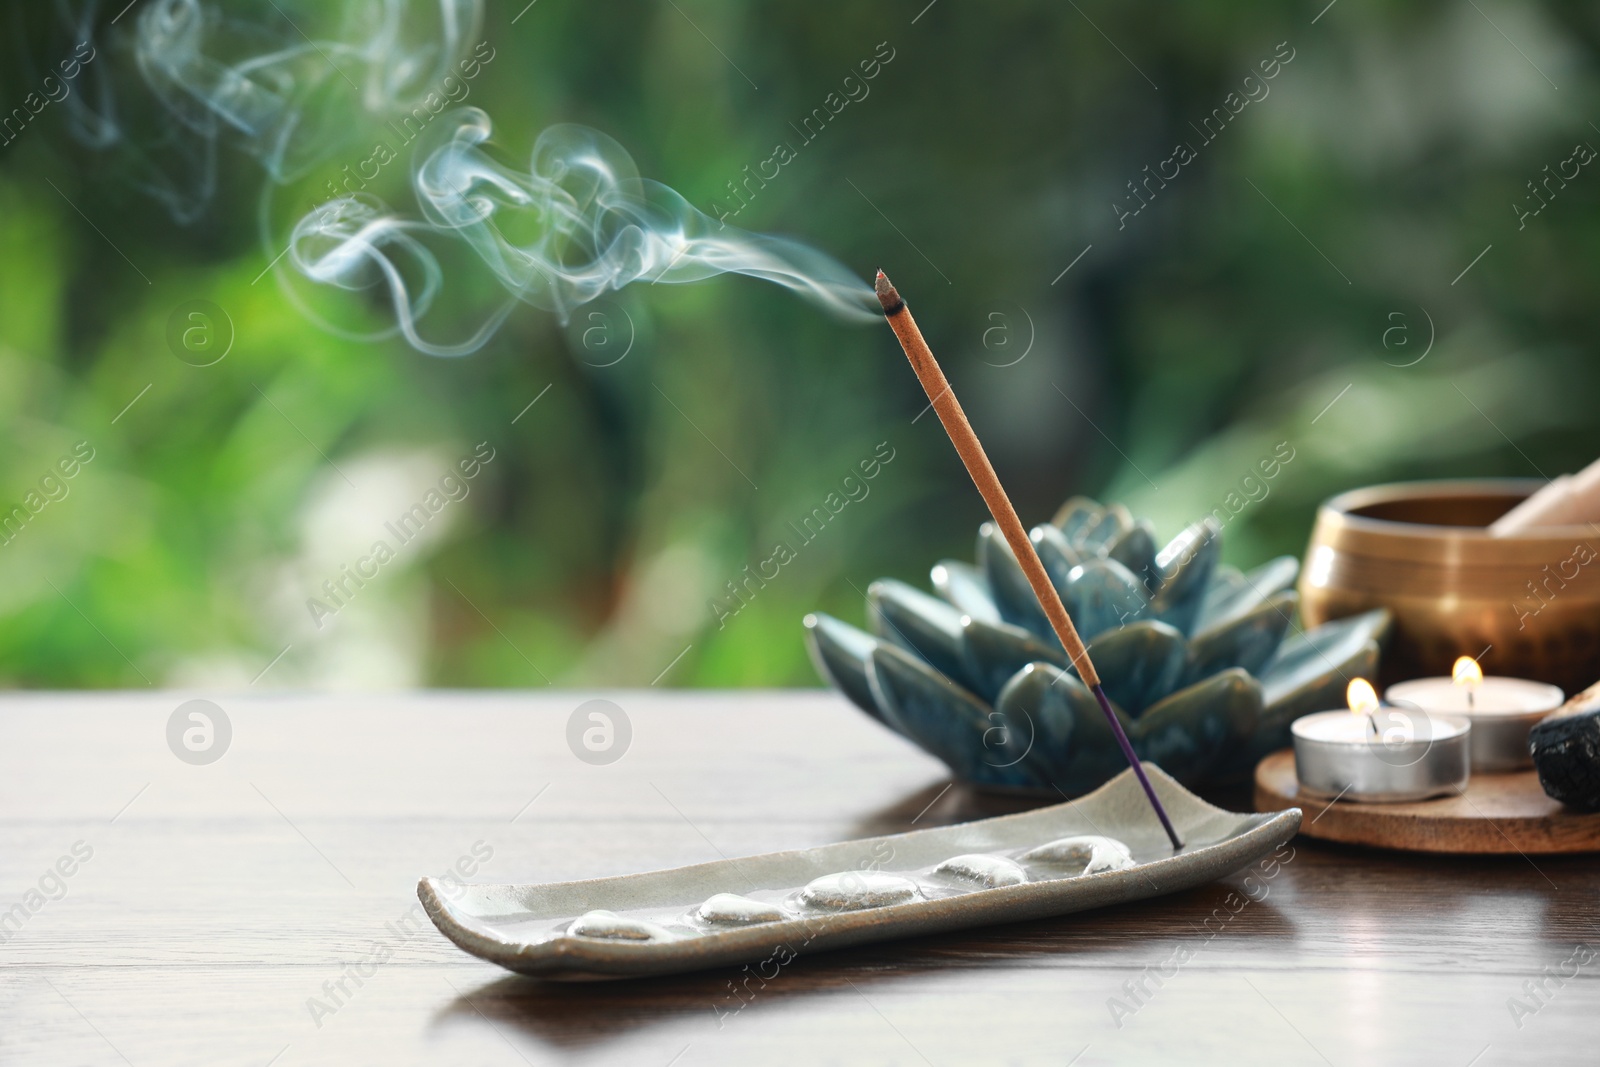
[{"x": 887, "y": 296}]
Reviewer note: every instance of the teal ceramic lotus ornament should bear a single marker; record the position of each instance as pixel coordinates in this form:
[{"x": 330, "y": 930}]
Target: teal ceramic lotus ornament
[{"x": 1196, "y": 656}]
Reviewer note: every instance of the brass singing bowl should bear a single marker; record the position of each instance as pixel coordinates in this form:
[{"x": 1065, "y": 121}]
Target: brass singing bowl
[{"x": 1527, "y": 606}]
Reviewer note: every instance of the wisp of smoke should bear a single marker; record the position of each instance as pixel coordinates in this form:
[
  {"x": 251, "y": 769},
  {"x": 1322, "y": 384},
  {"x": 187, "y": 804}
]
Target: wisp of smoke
[
  {"x": 265, "y": 98},
  {"x": 586, "y": 222},
  {"x": 596, "y": 226},
  {"x": 247, "y": 77}
]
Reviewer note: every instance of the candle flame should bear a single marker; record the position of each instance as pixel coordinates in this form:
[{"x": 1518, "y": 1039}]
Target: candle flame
[
  {"x": 1466, "y": 671},
  {"x": 1360, "y": 695}
]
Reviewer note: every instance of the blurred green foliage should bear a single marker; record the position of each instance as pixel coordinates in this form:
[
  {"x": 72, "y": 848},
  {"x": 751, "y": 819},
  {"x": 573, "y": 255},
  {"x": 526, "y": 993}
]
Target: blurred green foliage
[{"x": 1182, "y": 346}]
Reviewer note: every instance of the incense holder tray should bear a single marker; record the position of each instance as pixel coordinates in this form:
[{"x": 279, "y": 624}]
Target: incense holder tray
[
  {"x": 1105, "y": 848},
  {"x": 1197, "y": 657}
]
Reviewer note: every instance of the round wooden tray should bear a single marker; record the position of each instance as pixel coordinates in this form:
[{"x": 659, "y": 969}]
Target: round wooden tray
[{"x": 1498, "y": 813}]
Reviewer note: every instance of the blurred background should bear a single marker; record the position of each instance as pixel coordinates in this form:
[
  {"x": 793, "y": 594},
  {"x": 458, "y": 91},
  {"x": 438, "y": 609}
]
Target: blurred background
[{"x": 1374, "y": 253}]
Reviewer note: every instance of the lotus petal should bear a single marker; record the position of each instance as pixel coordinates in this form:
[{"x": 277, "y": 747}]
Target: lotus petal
[
  {"x": 1189, "y": 731},
  {"x": 1246, "y": 640},
  {"x": 973, "y": 739},
  {"x": 1304, "y": 658},
  {"x": 1227, "y": 582},
  {"x": 1322, "y": 690},
  {"x": 1071, "y": 730},
  {"x": 1099, "y": 535},
  {"x": 1232, "y": 595},
  {"x": 1273, "y": 576},
  {"x": 1135, "y": 549},
  {"x": 839, "y": 652},
  {"x": 921, "y": 624},
  {"x": 1012, "y": 593},
  {"x": 1076, "y": 515},
  {"x": 996, "y": 651},
  {"x": 965, "y": 588},
  {"x": 1059, "y": 557},
  {"x": 1183, "y": 571},
  {"x": 1139, "y": 663},
  {"x": 1102, "y": 595},
  {"x": 1309, "y": 673}
]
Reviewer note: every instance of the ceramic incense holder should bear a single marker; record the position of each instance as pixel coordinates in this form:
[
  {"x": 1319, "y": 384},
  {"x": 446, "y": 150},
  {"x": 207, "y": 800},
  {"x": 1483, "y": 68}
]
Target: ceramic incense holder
[
  {"x": 1105, "y": 848},
  {"x": 1197, "y": 657}
]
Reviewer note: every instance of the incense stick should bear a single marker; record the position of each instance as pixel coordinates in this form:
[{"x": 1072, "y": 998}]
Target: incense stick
[{"x": 1005, "y": 516}]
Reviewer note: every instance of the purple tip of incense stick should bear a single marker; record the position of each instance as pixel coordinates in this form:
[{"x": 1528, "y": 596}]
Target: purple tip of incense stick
[{"x": 1138, "y": 768}]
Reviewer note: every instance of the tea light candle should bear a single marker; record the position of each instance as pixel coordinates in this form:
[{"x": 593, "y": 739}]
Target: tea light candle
[
  {"x": 1501, "y": 710},
  {"x": 1380, "y": 753}
]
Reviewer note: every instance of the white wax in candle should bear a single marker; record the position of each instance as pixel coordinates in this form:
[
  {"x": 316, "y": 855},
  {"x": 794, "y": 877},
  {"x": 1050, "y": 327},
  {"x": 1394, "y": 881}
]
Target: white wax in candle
[
  {"x": 1336, "y": 726},
  {"x": 1492, "y": 696},
  {"x": 1347, "y": 727}
]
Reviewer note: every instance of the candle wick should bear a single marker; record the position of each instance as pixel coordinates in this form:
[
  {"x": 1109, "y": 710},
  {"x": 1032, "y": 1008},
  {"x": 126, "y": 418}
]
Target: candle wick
[
  {"x": 1372, "y": 724},
  {"x": 1471, "y": 702}
]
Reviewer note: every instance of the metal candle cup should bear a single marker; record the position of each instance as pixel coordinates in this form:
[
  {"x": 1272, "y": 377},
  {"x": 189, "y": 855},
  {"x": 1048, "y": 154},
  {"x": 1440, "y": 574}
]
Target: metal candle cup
[
  {"x": 1412, "y": 756},
  {"x": 1501, "y": 710}
]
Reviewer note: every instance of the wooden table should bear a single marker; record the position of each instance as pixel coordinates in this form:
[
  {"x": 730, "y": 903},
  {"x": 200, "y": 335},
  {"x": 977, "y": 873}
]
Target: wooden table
[{"x": 220, "y": 905}]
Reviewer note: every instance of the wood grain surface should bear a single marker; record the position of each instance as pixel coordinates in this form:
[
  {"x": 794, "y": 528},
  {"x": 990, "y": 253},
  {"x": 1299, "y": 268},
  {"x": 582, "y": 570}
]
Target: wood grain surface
[
  {"x": 1498, "y": 813},
  {"x": 219, "y": 904}
]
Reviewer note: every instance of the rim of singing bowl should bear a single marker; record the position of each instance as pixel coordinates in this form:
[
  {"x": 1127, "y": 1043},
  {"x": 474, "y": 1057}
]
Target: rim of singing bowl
[{"x": 1347, "y": 525}]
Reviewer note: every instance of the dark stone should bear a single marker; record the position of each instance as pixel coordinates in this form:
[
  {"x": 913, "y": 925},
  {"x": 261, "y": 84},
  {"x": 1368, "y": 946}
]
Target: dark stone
[{"x": 1566, "y": 753}]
